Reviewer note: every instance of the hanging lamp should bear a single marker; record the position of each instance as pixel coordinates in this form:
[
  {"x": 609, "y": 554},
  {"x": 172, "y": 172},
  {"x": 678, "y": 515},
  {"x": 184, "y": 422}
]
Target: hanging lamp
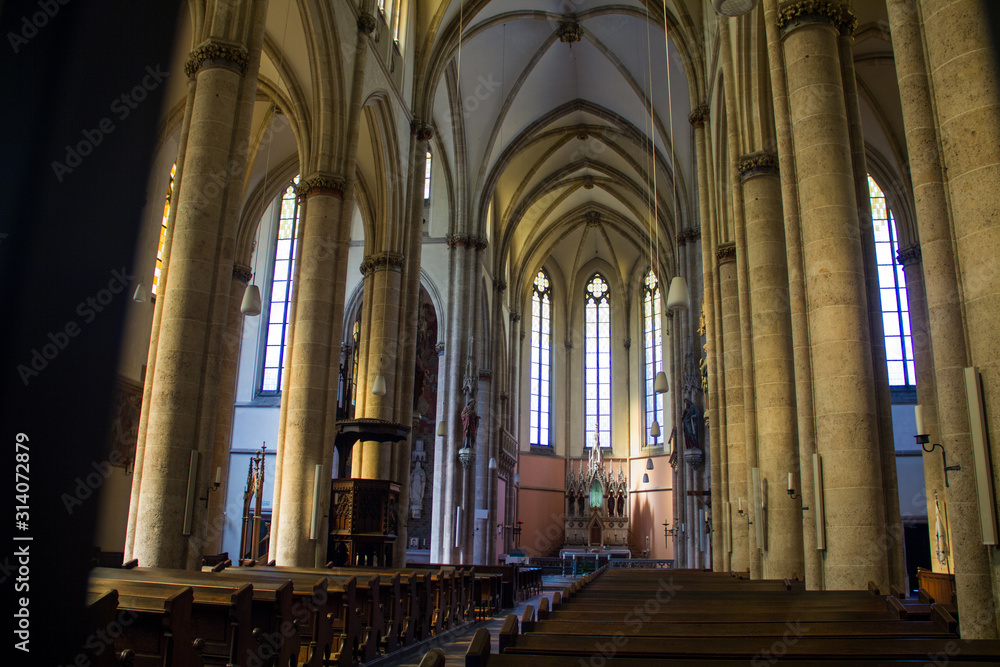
[
  {"x": 140, "y": 292},
  {"x": 678, "y": 295},
  {"x": 733, "y": 7},
  {"x": 654, "y": 429},
  {"x": 251, "y": 301}
]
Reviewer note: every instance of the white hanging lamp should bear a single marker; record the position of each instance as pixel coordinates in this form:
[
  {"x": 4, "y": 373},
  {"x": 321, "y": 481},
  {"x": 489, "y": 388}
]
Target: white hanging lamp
[
  {"x": 378, "y": 386},
  {"x": 660, "y": 385},
  {"x": 678, "y": 296},
  {"x": 140, "y": 292},
  {"x": 442, "y": 428},
  {"x": 733, "y": 7},
  {"x": 251, "y": 301},
  {"x": 654, "y": 429}
]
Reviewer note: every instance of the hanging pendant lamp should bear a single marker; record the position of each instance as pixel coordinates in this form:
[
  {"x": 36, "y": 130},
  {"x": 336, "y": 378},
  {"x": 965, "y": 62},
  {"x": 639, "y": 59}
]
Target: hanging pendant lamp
[
  {"x": 660, "y": 385},
  {"x": 677, "y": 296},
  {"x": 654, "y": 429},
  {"x": 251, "y": 301},
  {"x": 140, "y": 293},
  {"x": 733, "y": 7}
]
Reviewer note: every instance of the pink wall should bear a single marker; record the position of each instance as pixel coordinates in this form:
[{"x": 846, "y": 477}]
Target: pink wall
[
  {"x": 541, "y": 504},
  {"x": 652, "y": 504}
]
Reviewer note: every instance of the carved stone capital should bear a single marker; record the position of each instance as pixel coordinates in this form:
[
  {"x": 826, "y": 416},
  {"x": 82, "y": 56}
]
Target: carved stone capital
[
  {"x": 698, "y": 116},
  {"x": 500, "y": 286},
  {"x": 485, "y": 373},
  {"x": 761, "y": 163},
  {"x": 421, "y": 130},
  {"x": 810, "y": 12},
  {"x": 569, "y": 32},
  {"x": 466, "y": 241},
  {"x": 515, "y": 317},
  {"x": 382, "y": 261},
  {"x": 726, "y": 253},
  {"x": 689, "y": 235},
  {"x": 366, "y": 23},
  {"x": 627, "y": 343},
  {"x": 320, "y": 184},
  {"x": 242, "y": 273},
  {"x": 217, "y": 54},
  {"x": 909, "y": 255}
]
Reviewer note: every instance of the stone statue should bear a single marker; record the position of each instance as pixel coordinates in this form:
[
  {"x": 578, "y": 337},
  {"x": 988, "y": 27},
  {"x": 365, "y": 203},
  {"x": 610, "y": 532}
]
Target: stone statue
[
  {"x": 470, "y": 423},
  {"x": 418, "y": 481},
  {"x": 691, "y": 421}
]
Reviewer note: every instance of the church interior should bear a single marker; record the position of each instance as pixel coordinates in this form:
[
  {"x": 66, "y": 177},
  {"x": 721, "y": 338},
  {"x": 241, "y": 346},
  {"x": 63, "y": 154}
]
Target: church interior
[{"x": 711, "y": 285}]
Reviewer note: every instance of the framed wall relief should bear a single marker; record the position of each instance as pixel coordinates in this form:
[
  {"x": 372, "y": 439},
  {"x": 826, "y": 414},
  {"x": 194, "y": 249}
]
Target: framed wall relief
[{"x": 124, "y": 428}]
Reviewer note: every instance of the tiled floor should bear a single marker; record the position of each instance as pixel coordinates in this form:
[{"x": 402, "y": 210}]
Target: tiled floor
[{"x": 456, "y": 647}]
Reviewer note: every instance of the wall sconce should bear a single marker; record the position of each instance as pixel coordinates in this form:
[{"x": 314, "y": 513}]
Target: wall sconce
[
  {"x": 743, "y": 513},
  {"x": 923, "y": 438},
  {"x": 668, "y": 531},
  {"x": 214, "y": 486},
  {"x": 791, "y": 491}
]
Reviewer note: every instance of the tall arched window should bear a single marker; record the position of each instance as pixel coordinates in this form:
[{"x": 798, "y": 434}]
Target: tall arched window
[
  {"x": 427, "y": 178},
  {"x": 163, "y": 233},
  {"x": 597, "y": 361},
  {"x": 275, "y": 345},
  {"x": 652, "y": 336},
  {"x": 892, "y": 287},
  {"x": 541, "y": 366}
]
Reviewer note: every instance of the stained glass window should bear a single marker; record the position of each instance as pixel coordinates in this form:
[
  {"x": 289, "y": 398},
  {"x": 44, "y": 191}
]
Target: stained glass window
[
  {"x": 427, "y": 177},
  {"x": 541, "y": 363},
  {"x": 892, "y": 287},
  {"x": 652, "y": 336},
  {"x": 597, "y": 362},
  {"x": 163, "y": 232},
  {"x": 275, "y": 347}
]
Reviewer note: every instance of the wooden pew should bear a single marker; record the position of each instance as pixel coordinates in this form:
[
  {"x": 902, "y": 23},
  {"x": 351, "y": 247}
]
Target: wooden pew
[
  {"x": 274, "y": 628},
  {"x": 220, "y": 615},
  {"x": 159, "y": 630},
  {"x": 328, "y": 613},
  {"x": 105, "y": 623},
  {"x": 353, "y": 608}
]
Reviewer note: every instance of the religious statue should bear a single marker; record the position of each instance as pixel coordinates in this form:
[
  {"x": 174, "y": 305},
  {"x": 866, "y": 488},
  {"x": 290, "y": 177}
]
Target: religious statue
[
  {"x": 470, "y": 423},
  {"x": 691, "y": 421},
  {"x": 418, "y": 480}
]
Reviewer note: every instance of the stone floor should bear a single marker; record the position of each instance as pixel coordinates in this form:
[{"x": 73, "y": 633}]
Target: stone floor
[{"x": 455, "y": 646}]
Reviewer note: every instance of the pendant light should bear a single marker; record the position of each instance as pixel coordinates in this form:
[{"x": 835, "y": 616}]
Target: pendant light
[
  {"x": 649, "y": 463},
  {"x": 678, "y": 296},
  {"x": 378, "y": 386},
  {"x": 442, "y": 428},
  {"x": 733, "y": 7},
  {"x": 660, "y": 385},
  {"x": 140, "y": 292},
  {"x": 645, "y": 478},
  {"x": 251, "y": 301},
  {"x": 654, "y": 429}
]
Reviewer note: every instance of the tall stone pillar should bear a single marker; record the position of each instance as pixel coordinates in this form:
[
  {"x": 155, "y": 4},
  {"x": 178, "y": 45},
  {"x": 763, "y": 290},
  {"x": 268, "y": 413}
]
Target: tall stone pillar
[
  {"x": 847, "y": 434},
  {"x": 185, "y": 386},
  {"x": 774, "y": 381},
  {"x": 796, "y": 292},
  {"x": 311, "y": 375},
  {"x": 739, "y": 497},
  {"x": 973, "y": 583},
  {"x": 934, "y": 488}
]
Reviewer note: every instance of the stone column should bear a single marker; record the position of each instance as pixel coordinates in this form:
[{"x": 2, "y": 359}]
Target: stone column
[
  {"x": 227, "y": 395},
  {"x": 185, "y": 386},
  {"x": 923, "y": 358},
  {"x": 774, "y": 381},
  {"x": 847, "y": 432},
  {"x": 940, "y": 266},
  {"x": 314, "y": 350},
  {"x": 733, "y": 369},
  {"x": 797, "y": 298},
  {"x": 385, "y": 271}
]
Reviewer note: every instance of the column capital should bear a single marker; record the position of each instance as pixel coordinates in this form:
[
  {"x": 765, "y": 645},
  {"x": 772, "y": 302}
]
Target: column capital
[
  {"x": 466, "y": 241},
  {"x": 242, "y": 273},
  {"x": 698, "y": 116},
  {"x": 382, "y": 261},
  {"x": 725, "y": 253},
  {"x": 485, "y": 373},
  {"x": 439, "y": 348},
  {"x": 761, "y": 163},
  {"x": 366, "y": 23},
  {"x": 691, "y": 234},
  {"x": 500, "y": 285},
  {"x": 809, "y": 12},
  {"x": 215, "y": 53},
  {"x": 421, "y": 130},
  {"x": 515, "y": 316},
  {"x": 910, "y": 255},
  {"x": 320, "y": 183}
]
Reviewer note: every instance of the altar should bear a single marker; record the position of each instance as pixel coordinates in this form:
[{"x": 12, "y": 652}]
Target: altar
[{"x": 596, "y": 506}]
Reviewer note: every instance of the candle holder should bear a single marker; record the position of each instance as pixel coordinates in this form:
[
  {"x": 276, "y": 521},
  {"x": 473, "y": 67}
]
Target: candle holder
[
  {"x": 746, "y": 515},
  {"x": 922, "y": 440},
  {"x": 796, "y": 496}
]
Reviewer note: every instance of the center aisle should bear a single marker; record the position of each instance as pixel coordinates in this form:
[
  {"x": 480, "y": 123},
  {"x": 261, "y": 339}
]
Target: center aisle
[{"x": 455, "y": 648}]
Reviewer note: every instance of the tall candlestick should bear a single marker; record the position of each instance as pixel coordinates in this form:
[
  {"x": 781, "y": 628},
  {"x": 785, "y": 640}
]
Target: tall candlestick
[
  {"x": 918, "y": 412},
  {"x": 790, "y": 487},
  {"x": 218, "y": 475}
]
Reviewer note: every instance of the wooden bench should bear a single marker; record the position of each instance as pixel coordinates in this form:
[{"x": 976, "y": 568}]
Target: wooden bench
[
  {"x": 220, "y": 614},
  {"x": 105, "y": 623},
  {"x": 159, "y": 629},
  {"x": 275, "y": 628}
]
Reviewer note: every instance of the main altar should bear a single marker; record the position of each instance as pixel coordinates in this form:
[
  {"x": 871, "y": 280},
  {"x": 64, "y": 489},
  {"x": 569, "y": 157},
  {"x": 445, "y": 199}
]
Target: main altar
[{"x": 597, "y": 504}]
